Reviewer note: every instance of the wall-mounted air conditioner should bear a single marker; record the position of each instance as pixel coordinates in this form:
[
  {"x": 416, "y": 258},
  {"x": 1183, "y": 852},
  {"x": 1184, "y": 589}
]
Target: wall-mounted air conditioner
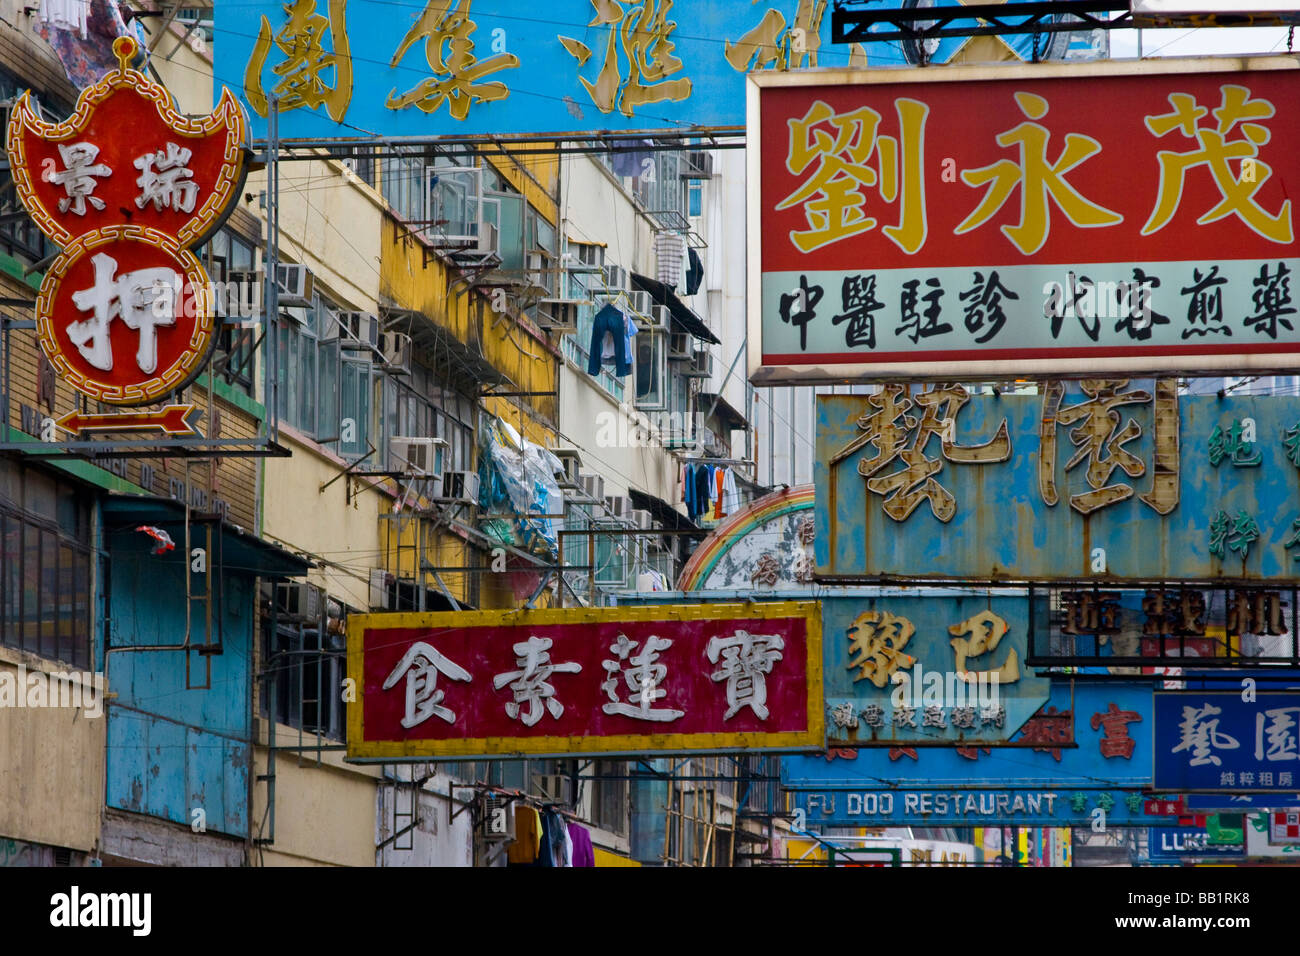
[
  {"x": 294, "y": 283},
  {"x": 593, "y": 487},
  {"x": 701, "y": 365},
  {"x": 620, "y": 506},
  {"x": 572, "y": 462},
  {"x": 394, "y": 350},
  {"x": 641, "y": 519},
  {"x": 299, "y": 601},
  {"x": 417, "y": 456},
  {"x": 357, "y": 330},
  {"x": 461, "y": 486},
  {"x": 559, "y": 315},
  {"x": 380, "y": 583},
  {"x": 679, "y": 347},
  {"x": 614, "y": 277}
]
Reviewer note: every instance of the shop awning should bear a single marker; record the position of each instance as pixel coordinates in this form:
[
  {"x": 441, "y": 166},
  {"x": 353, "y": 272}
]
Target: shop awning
[
  {"x": 239, "y": 550},
  {"x": 667, "y": 516},
  {"x": 463, "y": 366},
  {"x": 683, "y": 316},
  {"x": 723, "y": 410}
]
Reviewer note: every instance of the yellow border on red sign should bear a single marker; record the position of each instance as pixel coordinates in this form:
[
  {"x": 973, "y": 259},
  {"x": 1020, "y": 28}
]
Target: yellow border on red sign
[
  {"x": 176, "y": 376},
  {"x": 228, "y": 116},
  {"x": 814, "y": 738}
]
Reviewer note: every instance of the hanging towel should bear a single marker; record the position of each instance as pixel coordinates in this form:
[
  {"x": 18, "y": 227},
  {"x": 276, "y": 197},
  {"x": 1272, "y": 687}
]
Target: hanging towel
[
  {"x": 670, "y": 250},
  {"x": 583, "y": 852},
  {"x": 528, "y": 835}
]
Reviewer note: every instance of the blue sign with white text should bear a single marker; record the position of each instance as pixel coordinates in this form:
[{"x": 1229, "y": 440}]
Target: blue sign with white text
[
  {"x": 1175, "y": 844},
  {"x": 1219, "y": 742},
  {"x": 1111, "y": 727},
  {"x": 972, "y": 808}
]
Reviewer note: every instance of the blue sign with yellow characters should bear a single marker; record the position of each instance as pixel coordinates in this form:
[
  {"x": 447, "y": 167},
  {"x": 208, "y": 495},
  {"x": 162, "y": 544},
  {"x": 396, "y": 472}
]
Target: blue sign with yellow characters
[
  {"x": 1104, "y": 479},
  {"x": 497, "y": 67}
]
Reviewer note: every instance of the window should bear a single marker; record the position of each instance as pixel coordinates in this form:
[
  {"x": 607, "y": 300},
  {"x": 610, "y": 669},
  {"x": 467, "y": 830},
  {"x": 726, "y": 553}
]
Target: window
[
  {"x": 403, "y": 185},
  {"x": 609, "y": 806},
  {"x": 322, "y": 390},
  {"x": 45, "y": 561},
  {"x": 425, "y": 408},
  {"x": 305, "y": 667},
  {"x": 224, "y": 255},
  {"x": 695, "y": 199},
  {"x": 19, "y": 236},
  {"x": 651, "y": 367},
  {"x": 360, "y": 158}
]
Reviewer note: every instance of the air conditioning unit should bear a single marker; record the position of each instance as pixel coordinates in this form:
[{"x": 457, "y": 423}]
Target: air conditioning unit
[
  {"x": 461, "y": 486},
  {"x": 572, "y": 461},
  {"x": 615, "y": 277},
  {"x": 553, "y": 787},
  {"x": 559, "y": 315},
  {"x": 380, "y": 582},
  {"x": 642, "y": 519},
  {"x": 394, "y": 350},
  {"x": 641, "y": 303},
  {"x": 299, "y": 601},
  {"x": 359, "y": 329},
  {"x": 295, "y": 285},
  {"x": 661, "y": 317},
  {"x": 701, "y": 365},
  {"x": 489, "y": 239},
  {"x": 541, "y": 270},
  {"x": 620, "y": 506},
  {"x": 698, "y": 165},
  {"x": 497, "y": 817},
  {"x": 418, "y": 455},
  {"x": 679, "y": 347},
  {"x": 593, "y": 486}
]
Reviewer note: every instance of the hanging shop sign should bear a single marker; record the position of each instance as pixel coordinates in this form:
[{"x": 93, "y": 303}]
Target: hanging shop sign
[
  {"x": 1203, "y": 630},
  {"x": 632, "y": 680},
  {"x": 943, "y": 807},
  {"x": 1058, "y": 485},
  {"x": 1220, "y": 742},
  {"x": 925, "y": 670},
  {"x": 1087, "y": 737},
  {"x": 470, "y": 67},
  {"x": 1176, "y": 844},
  {"x": 1130, "y": 217},
  {"x": 127, "y": 186}
]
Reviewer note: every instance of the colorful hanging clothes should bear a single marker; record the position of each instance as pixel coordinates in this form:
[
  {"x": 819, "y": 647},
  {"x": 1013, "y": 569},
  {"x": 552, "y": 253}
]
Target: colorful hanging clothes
[
  {"x": 528, "y": 837},
  {"x": 584, "y": 854}
]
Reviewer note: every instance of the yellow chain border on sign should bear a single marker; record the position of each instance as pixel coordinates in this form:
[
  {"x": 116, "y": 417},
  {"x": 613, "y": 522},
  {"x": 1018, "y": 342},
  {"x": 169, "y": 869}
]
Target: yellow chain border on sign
[
  {"x": 228, "y": 116},
  {"x": 176, "y": 376}
]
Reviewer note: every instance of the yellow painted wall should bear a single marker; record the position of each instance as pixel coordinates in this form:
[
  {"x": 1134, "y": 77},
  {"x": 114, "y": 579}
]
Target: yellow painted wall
[
  {"x": 51, "y": 769},
  {"x": 324, "y": 815},
  {"x": 302, "y": 517}
]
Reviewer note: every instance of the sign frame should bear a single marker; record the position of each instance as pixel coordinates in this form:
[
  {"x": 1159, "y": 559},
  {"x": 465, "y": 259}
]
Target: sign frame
[
  {"x": 360, "y": 750},
  {"x": 1009, "y": 367}
]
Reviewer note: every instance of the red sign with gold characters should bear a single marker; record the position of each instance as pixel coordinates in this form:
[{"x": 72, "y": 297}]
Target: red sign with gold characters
[
  {"x": 126, "y": 186},
  {"x": 1063, "y": 220},
  {"x": 686, "y": 678}
]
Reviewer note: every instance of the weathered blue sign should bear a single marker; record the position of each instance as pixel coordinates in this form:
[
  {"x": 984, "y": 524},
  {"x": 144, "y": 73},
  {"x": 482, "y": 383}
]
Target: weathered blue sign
[
  {"x": 1239, "y": 802},
  {"x": 1104, "y": 745},
  {"x": 1175, "y": 844},
  {"x": 926, "y": 668},
  {"x": 1105, "y": 480},
  {"x": 1220, "y": 742},
  {"x": 472, "y": 67},
  {"x": 965, "y": 808}
]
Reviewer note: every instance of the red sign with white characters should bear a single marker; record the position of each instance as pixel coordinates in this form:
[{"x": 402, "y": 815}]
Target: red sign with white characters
[
  {"x": 126, "y": 185},
  {"x": 668, "y": 678}
]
